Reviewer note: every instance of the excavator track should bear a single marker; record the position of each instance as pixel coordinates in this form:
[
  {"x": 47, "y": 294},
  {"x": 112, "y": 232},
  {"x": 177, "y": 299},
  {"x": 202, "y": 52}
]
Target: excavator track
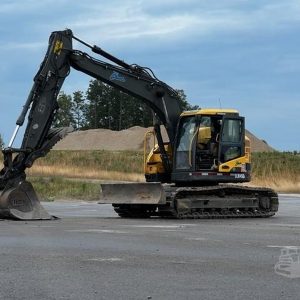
[
  {"x": 135, "y": 211},
  {"x": 209, "y": 202}
]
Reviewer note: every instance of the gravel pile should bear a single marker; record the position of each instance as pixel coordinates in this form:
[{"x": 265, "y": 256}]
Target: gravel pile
[{"x": 128, "y": 139}]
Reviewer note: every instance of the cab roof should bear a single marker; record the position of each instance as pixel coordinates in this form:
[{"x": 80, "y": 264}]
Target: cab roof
[{"x": 210, "y": 111}]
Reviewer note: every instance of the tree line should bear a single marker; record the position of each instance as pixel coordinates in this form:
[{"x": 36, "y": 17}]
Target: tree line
[
  {"x": 103, "y": 106},
  {"x": 1, "y": 142}
]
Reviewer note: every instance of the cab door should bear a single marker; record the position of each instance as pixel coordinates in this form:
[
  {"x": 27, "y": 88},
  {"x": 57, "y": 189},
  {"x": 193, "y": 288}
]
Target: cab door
[
  {"x": 184, "y": 158},
  {"x": 232, "y": 138}
]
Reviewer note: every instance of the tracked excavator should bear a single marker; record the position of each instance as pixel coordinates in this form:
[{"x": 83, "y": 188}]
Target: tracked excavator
[{"x": 192, "y": 174}]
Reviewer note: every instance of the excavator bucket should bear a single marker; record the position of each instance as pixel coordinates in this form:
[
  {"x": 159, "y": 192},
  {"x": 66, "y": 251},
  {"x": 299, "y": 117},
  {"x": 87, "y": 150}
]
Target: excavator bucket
[
  {"x": 19, "y": 201},
  {"x": 132, "y": 193}
]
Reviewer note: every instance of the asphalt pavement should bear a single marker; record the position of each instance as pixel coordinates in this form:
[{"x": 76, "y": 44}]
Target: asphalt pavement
[{"x": 91, "y": 253}]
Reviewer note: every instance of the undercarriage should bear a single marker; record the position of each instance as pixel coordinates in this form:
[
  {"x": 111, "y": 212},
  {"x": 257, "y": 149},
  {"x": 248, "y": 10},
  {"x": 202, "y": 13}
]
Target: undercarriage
[{"x": 220, "y": 201}]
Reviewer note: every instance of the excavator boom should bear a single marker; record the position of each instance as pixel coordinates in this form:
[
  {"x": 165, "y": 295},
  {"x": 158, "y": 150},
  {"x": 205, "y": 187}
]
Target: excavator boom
[{"x": 17, "y": 197}]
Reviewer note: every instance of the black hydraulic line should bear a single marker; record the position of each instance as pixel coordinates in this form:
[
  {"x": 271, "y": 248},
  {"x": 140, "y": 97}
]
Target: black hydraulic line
[
  {"x": 105, "y": 54},
  {"x": 26, "y": 106}
]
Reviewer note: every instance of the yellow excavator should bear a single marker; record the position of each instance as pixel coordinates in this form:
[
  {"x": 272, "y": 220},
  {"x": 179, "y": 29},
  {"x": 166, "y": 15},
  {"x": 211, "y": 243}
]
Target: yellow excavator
[{"x": 191, "y": 174}]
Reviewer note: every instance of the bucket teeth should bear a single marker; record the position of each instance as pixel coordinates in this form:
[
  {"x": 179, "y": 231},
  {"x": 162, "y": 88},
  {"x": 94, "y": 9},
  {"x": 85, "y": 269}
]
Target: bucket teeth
[{"x": 19, "y": 201}]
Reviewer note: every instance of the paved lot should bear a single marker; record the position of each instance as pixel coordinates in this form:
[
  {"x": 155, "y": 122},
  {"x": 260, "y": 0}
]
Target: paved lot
[{"x": 90, "y": 253}]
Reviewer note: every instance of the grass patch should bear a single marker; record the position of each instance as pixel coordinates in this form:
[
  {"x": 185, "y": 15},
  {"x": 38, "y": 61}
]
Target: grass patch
[
  {"x": 104, "y": 165},
  {"x": 277, "y": 170},
  {"x": 53, "y": 188},
  {"x": 82, "y": 172},
  {"x": 113, "y": 161}
]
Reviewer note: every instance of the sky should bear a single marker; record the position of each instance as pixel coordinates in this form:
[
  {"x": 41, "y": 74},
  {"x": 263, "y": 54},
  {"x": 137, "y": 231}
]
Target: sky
[{"x": 241, "y": 54}]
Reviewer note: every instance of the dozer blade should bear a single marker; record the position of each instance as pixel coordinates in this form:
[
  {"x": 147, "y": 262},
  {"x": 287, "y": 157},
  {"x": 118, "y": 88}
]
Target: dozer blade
[
  {"x": 20, "y": 202},
  {"x": 132, "y": 193}
]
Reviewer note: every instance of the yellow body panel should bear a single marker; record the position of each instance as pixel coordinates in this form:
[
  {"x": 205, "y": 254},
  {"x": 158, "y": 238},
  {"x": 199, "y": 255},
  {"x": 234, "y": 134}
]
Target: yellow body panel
[
  {"x": 239, "y": 162},
  {"x": 152, "y": 161},
  {"x": 230, "y": 165}
]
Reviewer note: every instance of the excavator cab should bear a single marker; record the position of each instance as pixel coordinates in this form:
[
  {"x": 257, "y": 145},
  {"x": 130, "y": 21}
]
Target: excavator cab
[
  {"x": 210, "y": 148},
  {"x": 206, "y": 141}
]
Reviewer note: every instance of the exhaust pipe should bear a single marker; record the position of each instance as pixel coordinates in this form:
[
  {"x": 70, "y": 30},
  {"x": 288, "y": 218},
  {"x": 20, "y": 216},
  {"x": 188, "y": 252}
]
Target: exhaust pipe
[{"x": 19, "y": 201}]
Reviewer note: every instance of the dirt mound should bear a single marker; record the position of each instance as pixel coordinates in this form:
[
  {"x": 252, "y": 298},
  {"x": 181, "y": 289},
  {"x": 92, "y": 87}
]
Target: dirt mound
[
  {"x": 103, "y": 139},
  {"x": 128, "y": 139},
  {"x": 258, "y": 145}
]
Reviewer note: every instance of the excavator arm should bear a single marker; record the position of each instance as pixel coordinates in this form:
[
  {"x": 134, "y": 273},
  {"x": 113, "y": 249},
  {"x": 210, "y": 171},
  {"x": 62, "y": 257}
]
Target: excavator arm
[
  {"x": 39, "y": 137},
  {"x": 42, "y": 106}
]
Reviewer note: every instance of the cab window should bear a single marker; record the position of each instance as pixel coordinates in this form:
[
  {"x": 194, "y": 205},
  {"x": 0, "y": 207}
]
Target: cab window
[
  {"x": 231, "y": 139},
  {"x": 184, "y": 149}
]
